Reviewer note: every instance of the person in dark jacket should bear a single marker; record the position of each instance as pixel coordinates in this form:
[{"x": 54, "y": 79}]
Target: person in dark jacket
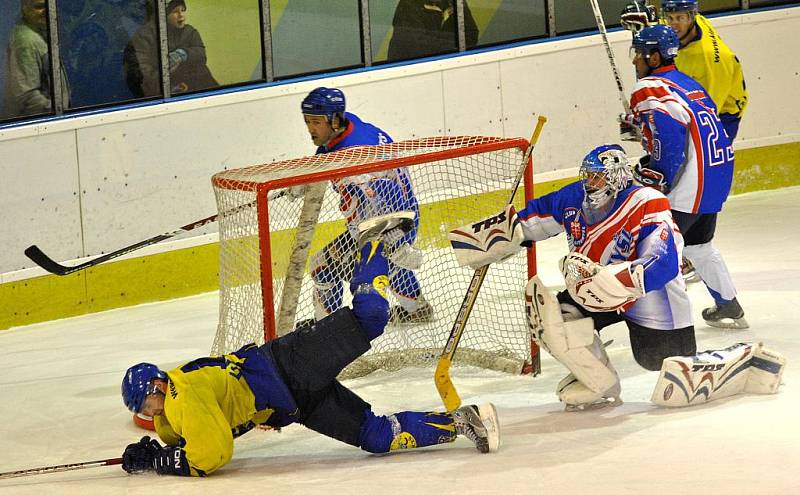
[
  {"x": 187, "y": 56},
  {"x": 428, "y": 27}
]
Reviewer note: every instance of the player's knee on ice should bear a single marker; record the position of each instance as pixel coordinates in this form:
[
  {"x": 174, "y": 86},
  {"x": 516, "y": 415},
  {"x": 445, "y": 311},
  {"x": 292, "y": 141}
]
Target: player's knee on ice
[
  {"x": 405, "y": 430},
  {"x": 368, "y": 286},
  {"x": 650, "y": 347}
]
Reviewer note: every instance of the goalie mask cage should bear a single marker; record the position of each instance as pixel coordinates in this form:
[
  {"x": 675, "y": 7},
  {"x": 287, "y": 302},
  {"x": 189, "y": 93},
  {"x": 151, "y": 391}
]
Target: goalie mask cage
[{"x": 268, "y": 247}]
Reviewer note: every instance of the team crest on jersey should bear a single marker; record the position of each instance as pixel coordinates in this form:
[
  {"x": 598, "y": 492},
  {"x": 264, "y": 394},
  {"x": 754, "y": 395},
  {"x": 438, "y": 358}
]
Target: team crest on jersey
[
  {"x": 576, "y": 230},
  {"x": 623, "y": 246}
]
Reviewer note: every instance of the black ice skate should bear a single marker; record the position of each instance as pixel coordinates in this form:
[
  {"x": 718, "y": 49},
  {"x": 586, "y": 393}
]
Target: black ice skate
[
  {"x": 730, "y": 315},
  {"x": 479, "y": 424}
]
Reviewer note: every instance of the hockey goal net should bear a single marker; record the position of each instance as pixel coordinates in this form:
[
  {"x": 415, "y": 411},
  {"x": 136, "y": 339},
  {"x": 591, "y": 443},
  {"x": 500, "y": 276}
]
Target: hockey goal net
[{"x": 270, "y": 244}]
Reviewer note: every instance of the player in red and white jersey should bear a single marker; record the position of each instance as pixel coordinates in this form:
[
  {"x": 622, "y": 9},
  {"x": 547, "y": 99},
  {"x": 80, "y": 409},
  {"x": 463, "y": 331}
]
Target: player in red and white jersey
[{"x": 690, "y": 159}]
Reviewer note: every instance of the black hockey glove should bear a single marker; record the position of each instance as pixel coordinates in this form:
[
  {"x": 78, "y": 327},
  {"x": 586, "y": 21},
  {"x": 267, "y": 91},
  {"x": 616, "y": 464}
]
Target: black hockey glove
[
  {"x": 649, "y": 177},
  {"x": 637, "y": 16},
  {"x": 149, "y": 455},
  {"x": 138, "y": 457}
]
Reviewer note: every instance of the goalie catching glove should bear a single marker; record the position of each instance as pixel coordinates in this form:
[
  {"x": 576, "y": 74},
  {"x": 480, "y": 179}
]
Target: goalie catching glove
[
  {"x": 489, "y": 240},
  {"x": 602, "y": 288}
]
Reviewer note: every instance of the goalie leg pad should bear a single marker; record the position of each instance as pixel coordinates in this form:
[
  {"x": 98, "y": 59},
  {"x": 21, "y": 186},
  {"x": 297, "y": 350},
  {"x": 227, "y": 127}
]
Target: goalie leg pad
[
  {"x": 574, "y": 344},
  {"x": 711, "y": 375}
]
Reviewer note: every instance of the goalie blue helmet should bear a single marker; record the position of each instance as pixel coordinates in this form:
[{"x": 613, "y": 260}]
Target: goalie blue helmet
[
  {"x": 605, "y": 172},
  {"x": 679, "y": 5},
  {"x": 660, "y": 38},
  {"x": 137, "y": 384},
  {"x": 324, "y": 101}
]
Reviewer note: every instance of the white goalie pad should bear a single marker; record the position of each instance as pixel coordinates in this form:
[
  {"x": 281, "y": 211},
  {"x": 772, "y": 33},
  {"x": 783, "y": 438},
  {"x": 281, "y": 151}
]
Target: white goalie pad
[
  {"x": 574, "y": 344},
  {"x": 602, "y": 288},
  {"x": 711, "y": 375},
  {"x": 488, "y": 240}
]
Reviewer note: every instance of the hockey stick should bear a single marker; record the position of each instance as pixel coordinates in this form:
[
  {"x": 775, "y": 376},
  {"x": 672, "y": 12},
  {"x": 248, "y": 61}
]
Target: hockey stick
[
  {"x": 40, "y": 258},
  {"x": 60, "y": 468},
  {"x": 601, "y": 25},
  {"x": 444, "y": 384}
]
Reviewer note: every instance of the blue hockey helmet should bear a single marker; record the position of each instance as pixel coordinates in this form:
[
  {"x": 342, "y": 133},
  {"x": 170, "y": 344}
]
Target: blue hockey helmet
[
  {"x": 610, "y": 161},
  {"x": 324, "y": 101},
  {"x": 660, "y": 38},
  {"x": 679, "y": 5},
  {"x": 136, "y": 384}
]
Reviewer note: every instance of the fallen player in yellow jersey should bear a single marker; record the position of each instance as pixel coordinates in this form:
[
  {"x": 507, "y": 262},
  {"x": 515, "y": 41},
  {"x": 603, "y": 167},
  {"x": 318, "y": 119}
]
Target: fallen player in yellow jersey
[{"x": 200, "y": 407}]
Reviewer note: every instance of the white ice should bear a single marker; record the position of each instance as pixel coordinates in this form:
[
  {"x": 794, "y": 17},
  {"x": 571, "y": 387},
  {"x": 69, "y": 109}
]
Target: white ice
[{"x": 60, "y": 403}]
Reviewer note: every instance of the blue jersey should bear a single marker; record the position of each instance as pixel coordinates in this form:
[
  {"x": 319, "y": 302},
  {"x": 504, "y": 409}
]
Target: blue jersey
[
  {"x": 376, "y": 193},
  {"x": 638, "y": 228},
  {"x": 685, "y": 138}
]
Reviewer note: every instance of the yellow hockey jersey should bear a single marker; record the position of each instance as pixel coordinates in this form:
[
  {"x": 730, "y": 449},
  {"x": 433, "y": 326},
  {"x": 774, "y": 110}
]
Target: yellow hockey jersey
[
  {"x": 210, "y": 401},
  {"x": 710, "y": 62}
]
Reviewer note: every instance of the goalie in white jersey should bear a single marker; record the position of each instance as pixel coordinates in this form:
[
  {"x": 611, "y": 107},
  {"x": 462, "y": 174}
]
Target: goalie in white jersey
[{"x": 624, "y": 265}]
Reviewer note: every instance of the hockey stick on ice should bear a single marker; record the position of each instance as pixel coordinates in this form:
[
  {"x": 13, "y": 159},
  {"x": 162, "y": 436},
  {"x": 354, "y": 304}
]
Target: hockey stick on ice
[
  {"x": 60, "y": 468},
  {"x": 40, "y": 258},
  {"x": 442, "y": 375}
]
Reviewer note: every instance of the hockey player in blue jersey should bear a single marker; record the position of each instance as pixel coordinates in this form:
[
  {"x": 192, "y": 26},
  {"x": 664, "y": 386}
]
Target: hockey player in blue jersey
[
  {"x": 690, "y": 159},
  {"x": 201, "y": 406},
  {"x": 624, "y": 265},
  {"x": 361, "y": 197}
]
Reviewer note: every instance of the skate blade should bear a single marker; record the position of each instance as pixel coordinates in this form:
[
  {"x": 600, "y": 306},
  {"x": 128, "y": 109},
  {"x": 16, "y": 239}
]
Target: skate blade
[
  {"x": 600, "y": 404},
  {"x": 729, "y": 323},
  {"x": 691, "y": 278},
  {"x": 488, "y": 415}
]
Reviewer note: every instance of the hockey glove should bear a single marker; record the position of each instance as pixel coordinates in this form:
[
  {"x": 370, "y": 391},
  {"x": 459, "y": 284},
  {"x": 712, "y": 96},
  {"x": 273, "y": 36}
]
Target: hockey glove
[
  {"x": 637, "y": 16},
  {"x": 489, "y": 240},
  {"x": 627, "y": 130},
  {"x": 649, "y": 177},
  {"x": 138, "y": 457},
  {"x": 610, "y": 288},
  {"x": 149, "y": 455}
]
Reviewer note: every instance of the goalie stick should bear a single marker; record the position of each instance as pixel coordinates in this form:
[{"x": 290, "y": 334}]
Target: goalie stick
[
  {"x": 441, "y": 378},
  {"x": 61, "y": 467},
  {"x": 40, "y": 258}
]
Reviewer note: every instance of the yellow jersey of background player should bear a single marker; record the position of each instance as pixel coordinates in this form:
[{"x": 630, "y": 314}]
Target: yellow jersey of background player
[{"x": 704, "y": 57}]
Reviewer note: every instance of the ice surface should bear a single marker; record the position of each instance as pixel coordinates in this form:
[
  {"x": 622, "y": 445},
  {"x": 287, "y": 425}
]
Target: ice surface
[{"x": 60, "y": 403}]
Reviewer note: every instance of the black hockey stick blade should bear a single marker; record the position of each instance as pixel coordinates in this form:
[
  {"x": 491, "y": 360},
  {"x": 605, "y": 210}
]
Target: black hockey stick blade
[{"x": 37, "y": 256}]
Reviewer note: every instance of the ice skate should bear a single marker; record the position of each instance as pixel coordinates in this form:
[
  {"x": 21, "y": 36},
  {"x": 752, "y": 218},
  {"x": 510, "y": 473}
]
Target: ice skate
[
  {"x": 373, "y": 228},
  {"x": 688, "y": 272},
  {"x": 479, "y": 424},
  {"x": 423, "y": 313},
  {"x": 577, "y": 397},
  {"x": 730, "y": 315}
]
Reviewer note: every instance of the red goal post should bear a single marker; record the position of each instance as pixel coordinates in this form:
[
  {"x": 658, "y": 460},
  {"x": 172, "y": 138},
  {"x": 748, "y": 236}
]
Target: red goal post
[{"x": 265, "y": 286}]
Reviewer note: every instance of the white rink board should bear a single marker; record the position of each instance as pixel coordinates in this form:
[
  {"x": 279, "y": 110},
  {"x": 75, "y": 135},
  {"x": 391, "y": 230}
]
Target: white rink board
[
  {"x": 168, "y": 149},
  {"x": 60, "y": 384}
]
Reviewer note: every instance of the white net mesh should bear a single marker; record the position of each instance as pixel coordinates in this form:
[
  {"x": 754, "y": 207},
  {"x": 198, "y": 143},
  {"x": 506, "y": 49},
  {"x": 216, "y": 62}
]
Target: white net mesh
[{"x": 297, "y": 253}]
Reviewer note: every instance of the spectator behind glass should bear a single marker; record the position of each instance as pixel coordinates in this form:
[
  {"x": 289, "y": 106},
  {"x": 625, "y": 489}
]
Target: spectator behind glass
[
  {"x": 28, "y": 84},
  {"x": 187, "y": 56},
  {"x": 428, "y": 27}
]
